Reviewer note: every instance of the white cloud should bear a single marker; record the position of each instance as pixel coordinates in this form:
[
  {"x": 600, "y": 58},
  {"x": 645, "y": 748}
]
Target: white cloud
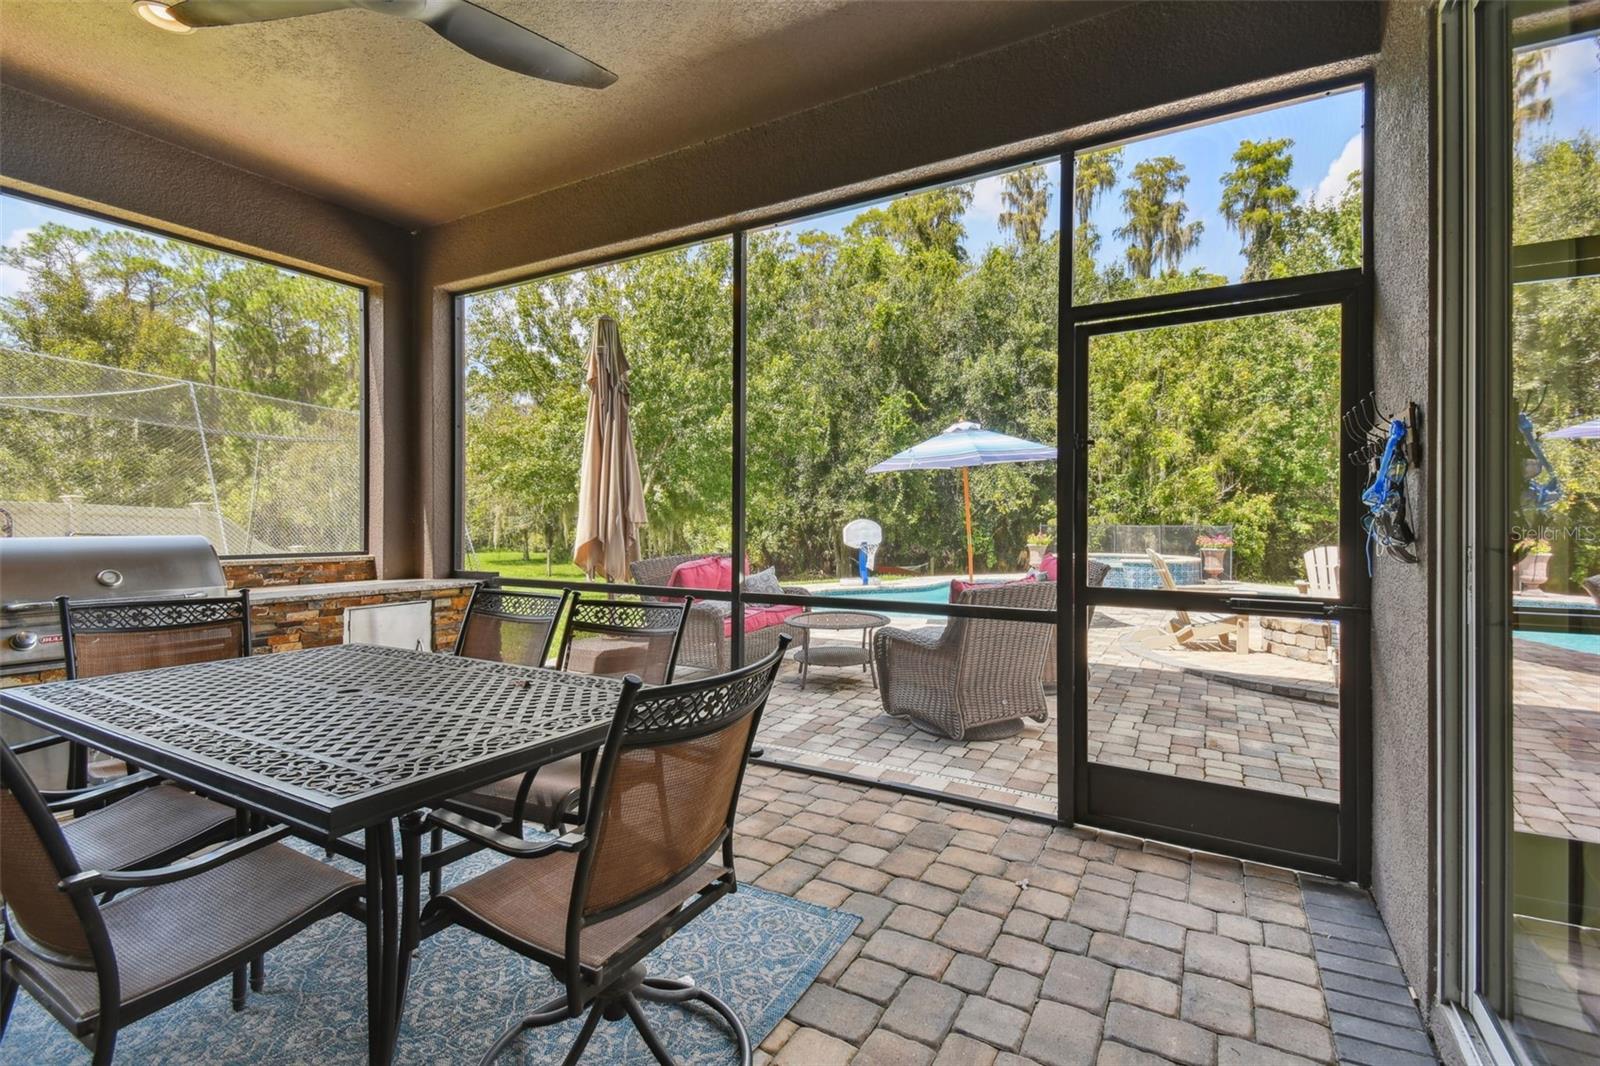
[
  {"x": 986, "y": 202},
  {"x": 1571, "y": 66},
  {"x": 12, "y": 279},
  {"x": 1332, "y": 185}
]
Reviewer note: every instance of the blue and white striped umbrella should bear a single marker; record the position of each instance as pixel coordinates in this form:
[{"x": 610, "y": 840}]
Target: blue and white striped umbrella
[
  {"x": 962, "y": 445},
  {"x": 965, "y": 444},
  {"x": 1580, "y": 431}
]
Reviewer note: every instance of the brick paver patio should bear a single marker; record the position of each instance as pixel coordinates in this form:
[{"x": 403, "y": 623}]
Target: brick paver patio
[
  {"x": 1258, "y": 721},
  {"x": 988, "y": 940}
]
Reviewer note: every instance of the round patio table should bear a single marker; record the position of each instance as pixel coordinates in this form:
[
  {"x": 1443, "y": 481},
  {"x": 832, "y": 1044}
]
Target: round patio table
[{"x": 837, "y": 654}]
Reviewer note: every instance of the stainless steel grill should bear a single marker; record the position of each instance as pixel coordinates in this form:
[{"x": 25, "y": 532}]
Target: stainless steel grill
[{"x": 35, "y": 570}]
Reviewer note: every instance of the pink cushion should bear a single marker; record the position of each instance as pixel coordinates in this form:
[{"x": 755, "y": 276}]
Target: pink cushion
[
  {"x": 1049, "y": 565},
  {"x": 957, "y": 586},
  {"x": 760, "y": 618},
  {"x": 712, "y": 572}
]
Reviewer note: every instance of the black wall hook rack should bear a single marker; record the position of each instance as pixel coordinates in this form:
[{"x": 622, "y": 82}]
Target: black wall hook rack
[{"x": 1369, "y": 428}]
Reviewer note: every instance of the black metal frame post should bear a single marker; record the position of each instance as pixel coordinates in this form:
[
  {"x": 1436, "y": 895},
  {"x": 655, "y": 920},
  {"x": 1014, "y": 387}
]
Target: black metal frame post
[{"x": 1330, "y": 287}]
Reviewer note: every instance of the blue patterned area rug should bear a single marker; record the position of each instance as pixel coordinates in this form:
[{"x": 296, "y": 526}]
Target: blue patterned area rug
[{"x": 756, "y": 949}]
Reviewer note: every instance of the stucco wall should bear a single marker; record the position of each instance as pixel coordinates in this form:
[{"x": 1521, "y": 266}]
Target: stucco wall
[
  {"x": 79, "y": 160},
  {"x": 1034, "y": 92},
  {"x": 1401, "y": 717}
]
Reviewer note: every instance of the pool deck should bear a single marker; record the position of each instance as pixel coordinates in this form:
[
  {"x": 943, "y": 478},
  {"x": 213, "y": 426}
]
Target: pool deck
[{"x": 1260, "y": 721}]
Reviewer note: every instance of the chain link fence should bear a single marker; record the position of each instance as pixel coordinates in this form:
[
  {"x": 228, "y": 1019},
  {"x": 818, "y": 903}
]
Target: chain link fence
[{"x": 95, "y": 449}]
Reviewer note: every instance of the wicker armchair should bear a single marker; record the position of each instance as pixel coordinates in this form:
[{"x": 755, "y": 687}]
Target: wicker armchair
[
  {"x": 976, "y": 678},
  {"x": 706, "y": 648}
]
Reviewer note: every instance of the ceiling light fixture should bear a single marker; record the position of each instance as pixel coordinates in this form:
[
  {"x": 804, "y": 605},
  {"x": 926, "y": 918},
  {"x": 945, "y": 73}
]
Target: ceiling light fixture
[{"x": 156, "y": 14}]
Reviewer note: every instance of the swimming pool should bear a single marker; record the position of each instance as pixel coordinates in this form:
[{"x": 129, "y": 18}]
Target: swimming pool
[{"x": 1586, "y": 643}]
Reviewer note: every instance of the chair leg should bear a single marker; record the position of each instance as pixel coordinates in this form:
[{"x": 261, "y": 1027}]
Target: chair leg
[
  {"x": 549, "y": 1014},
  {"x": 684, "y": 990},
  {"x": 651, "y": 1040},
  {"x": 435, "y": 875},
  {"x": 105, "y": 1045},
  {"x": 240, "y": 977},
  {"x": 258, "y": 973},
  {"x": 8, "y": 998}
]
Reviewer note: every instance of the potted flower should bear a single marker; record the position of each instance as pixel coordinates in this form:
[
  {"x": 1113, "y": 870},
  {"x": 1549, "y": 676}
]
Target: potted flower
[
  {"x": 1533, "y": 566},
  {"x": 1037, "y": 545},
  {"x": 1214, "y": 549}
]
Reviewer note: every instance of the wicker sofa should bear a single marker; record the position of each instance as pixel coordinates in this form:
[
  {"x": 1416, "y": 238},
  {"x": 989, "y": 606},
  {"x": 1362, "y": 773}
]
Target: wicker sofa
[
  {"x": 976, "y": 678},
  {"x": 706, "y": 648}
]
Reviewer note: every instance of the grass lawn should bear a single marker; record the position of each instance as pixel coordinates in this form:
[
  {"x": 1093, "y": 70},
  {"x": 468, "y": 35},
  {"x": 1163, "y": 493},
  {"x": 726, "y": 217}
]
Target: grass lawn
[{"x": 510, "y": 563}]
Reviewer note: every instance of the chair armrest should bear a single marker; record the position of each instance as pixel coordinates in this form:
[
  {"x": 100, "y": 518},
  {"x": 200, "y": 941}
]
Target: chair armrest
[
  {"x": 78, "y": 800},
  {"x": 100, "y": 881},
  {"x": 37, "y": 743},
  {"x": 504, "y": 843}
]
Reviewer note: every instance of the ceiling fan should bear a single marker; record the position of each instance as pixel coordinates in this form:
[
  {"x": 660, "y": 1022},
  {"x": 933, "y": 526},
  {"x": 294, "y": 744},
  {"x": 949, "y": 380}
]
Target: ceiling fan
[{"x": 471, "y": 28}]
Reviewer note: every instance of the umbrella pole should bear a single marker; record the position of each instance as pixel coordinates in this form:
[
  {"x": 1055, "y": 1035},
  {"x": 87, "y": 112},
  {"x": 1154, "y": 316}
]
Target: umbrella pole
[{"x": 966, "y": 498}]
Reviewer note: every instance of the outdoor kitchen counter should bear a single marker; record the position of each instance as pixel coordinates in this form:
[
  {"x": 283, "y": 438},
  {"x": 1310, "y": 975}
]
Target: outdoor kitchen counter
[
  {"x": 314, "y": 614},
  {"x": 340, "y": 589}
]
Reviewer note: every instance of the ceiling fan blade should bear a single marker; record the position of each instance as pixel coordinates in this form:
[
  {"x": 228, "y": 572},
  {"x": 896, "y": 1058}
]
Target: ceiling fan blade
[
  {"x": 504, "y": 43},
  {"x": 234, "y": 12}
]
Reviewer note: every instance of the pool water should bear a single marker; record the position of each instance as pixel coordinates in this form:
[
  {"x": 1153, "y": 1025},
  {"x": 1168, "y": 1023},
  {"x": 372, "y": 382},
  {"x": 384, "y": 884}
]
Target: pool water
[
  {"x": 935, "y": 592},
  {"x": 1587, "y": 643}
]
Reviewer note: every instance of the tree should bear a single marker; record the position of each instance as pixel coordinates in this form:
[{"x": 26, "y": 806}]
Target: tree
[
  {"x": 1155, "y": 212},
  {"x": 1025, "y": 194},
  {"x": 1093, "y": 174},
  {"x": 1256, "y": 201},
  {"x": 1529, "y": 83}
]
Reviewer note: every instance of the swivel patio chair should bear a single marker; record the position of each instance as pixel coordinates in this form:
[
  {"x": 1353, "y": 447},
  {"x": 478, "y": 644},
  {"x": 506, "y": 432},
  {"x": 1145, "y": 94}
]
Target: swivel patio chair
[
  {"x": 611, "y": 638},
  {"x": 706, "y": 647},
  {"x": 503, "y": 626},
  {"x": 976, "y": 678},
  {"x": 138, "y": 821},
  {"x": 654, "y": 851},
  {"x": 98, "y": 966},
  {"x": 507, "y": 626}
]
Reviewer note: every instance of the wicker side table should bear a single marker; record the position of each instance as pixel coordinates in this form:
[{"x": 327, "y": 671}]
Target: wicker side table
[{"x": 837, "y": 654}]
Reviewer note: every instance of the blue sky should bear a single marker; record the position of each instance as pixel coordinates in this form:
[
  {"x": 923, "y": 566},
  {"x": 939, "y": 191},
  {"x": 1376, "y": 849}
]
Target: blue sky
[{"x": 1327, "y": 145}]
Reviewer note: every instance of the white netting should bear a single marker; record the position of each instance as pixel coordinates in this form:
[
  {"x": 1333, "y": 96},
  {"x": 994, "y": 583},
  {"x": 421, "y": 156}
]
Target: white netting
[{"x": 98, "y": 449}]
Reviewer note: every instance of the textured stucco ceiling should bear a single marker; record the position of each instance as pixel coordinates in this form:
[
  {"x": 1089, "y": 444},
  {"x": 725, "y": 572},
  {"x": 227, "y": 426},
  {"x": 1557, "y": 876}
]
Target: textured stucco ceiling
[{"x": 381, "y": 114}]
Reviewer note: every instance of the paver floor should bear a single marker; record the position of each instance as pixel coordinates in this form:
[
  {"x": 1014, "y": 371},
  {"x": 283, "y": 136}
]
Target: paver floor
[
  {"x": 987, "y": 940},
  {"x": 1259, "y": 721}
]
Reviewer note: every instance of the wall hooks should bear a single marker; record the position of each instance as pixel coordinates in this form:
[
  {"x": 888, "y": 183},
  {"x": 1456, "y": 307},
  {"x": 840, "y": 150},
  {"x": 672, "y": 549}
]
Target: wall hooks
[
  {"x": 1389, "y": 448},
  {"x": 1370, "y": 429}
]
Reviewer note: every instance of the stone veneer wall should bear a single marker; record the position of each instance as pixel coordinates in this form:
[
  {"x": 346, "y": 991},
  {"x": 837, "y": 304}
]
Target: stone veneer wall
[
  {"x": 290, "y": 625},
  {"x": 304, "y": 570},
  {"x": 1295, "y": 638}
]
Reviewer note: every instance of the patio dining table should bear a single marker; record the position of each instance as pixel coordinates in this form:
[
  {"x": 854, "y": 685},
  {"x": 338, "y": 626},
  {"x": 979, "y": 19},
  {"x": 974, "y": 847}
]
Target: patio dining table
[{"x": 335, "y": 742}]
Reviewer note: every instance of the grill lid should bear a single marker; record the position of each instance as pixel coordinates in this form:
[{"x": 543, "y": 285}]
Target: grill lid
[{"x": 38, "y": 569}]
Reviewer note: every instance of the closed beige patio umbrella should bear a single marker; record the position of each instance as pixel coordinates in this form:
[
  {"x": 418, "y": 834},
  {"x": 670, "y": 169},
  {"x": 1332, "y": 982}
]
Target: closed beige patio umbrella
[{"x": 610, "y": 492}]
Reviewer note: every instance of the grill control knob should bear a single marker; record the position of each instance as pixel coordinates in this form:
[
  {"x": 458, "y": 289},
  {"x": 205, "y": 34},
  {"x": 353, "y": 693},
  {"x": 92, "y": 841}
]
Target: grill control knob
[
  {"x": 24, "y": 641},
  {"x": 109, "y": 578}
]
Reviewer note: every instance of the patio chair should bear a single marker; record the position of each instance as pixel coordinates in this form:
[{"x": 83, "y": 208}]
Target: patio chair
[
  {"x": 1591, "y": 585},
  {"x": 706, "y": 646},
  {"x": 503, "y": 626},
  {"x": 98, "y": 966},
  {"x": 611, "y": 638},
  {"x": 655, "y": 850},
  {"x": 1322, "y": 572},
  {"x": 1203, "y": 630},
  {"x": 507, "y": 626},
  {"x": 138, "y": 821},
  {"x": 1096, "y": 576},
  {"x": 976, "y": 678}
]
